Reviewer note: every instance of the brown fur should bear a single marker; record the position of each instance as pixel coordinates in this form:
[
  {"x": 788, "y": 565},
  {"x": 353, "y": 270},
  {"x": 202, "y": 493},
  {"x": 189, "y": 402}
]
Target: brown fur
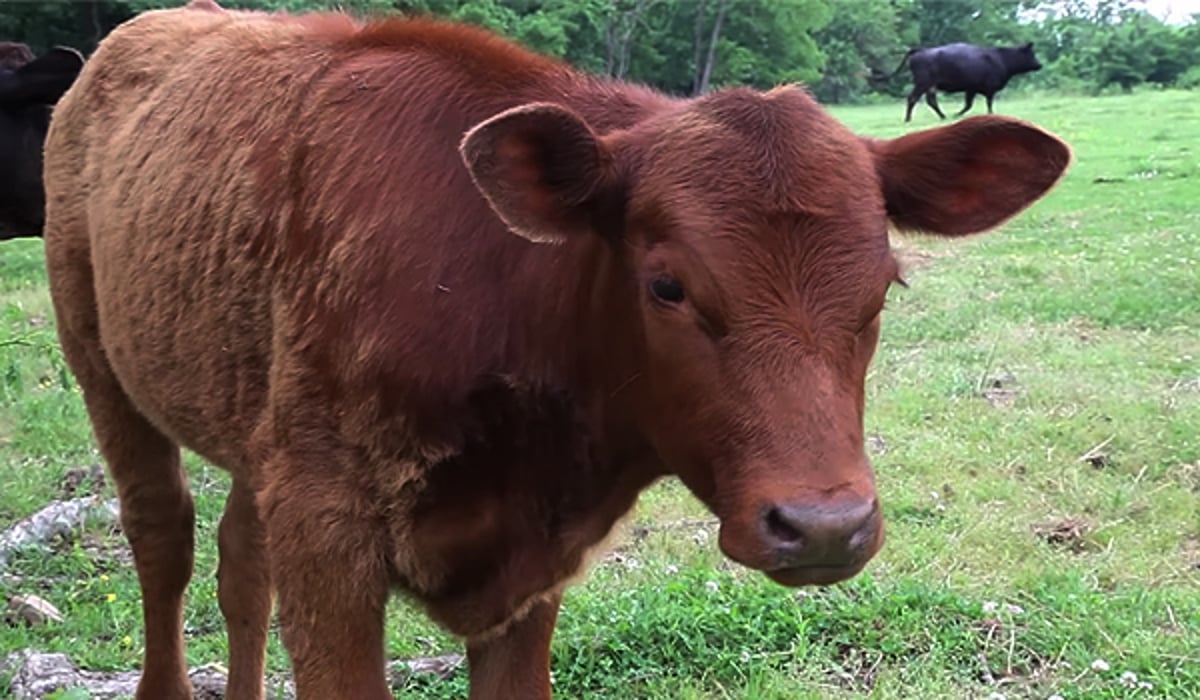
[{"x": 264, "y": 245}]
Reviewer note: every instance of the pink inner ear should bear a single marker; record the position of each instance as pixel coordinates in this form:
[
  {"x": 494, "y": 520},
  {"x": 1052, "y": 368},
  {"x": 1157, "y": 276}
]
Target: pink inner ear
[
  {"x": 987, "y": 174},
  {"x": 518, "y": 164},
  {"x": 522, "y": 174},
  {"x": 982, "y": 179},
  {"x": 964, "y": 203},
  {"x": 540, "y": 166}
]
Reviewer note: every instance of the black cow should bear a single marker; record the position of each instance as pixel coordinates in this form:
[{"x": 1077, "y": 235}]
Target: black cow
[
  {"x": 975, "y": 70},
  {"x": 29, "y": 87}
]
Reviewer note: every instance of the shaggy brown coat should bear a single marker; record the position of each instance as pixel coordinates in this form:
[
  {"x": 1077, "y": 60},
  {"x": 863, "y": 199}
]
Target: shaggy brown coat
[{"x": 444, "y": 307}]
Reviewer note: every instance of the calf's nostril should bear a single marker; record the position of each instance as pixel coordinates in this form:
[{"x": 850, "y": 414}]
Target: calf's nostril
[
  {"x": 863, "y": 536},
  {"x": 781, "y": 530},
  {"x": 829, "y": 533}
]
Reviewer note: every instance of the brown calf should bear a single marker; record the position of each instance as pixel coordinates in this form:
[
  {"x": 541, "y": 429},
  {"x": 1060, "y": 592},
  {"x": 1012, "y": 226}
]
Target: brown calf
[{"x": 444, "y": 308}]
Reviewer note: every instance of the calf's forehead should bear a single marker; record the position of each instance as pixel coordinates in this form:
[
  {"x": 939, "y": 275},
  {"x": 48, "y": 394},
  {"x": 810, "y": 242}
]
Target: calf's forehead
[{"x": 746, "y": 153}]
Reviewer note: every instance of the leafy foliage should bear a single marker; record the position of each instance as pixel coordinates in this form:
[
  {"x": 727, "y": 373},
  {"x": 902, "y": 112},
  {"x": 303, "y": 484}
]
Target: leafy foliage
[{"x": 843, "y": 49}]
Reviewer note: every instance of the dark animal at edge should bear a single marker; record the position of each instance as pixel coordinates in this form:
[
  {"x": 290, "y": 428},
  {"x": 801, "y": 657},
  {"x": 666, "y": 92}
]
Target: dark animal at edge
[
  {"x": 444, "y": 307},
  {"x": 975, "y": 70},
  {"x": 29, "y": 86}
]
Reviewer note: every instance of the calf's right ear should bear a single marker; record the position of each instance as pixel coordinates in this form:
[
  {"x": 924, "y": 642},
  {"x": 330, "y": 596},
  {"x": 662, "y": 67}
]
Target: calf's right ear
[
  {"x": 967, "y": 177},
  {"x": 44, "y": 79},
  {"x": 542, "y": 169}
]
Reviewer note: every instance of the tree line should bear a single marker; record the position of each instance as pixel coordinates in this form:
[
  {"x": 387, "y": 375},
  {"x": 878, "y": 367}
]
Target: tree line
[{"x": 844, "y": 50}]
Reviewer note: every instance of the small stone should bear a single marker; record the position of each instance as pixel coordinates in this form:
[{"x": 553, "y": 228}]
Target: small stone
[{"x": 30, "y": 610}]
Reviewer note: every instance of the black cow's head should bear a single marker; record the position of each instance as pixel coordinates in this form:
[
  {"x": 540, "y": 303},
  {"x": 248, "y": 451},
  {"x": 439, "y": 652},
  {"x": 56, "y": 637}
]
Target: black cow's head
[
  {"x": 29, "y": 87},
  {"x": 1023, "y": 60}
]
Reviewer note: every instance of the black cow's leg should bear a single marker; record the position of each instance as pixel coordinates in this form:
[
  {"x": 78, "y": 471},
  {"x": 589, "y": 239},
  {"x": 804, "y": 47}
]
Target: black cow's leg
[
  {"x": 967, "y": 106},
  {"x": 913, "y": 98},
  {"x": 931, "y": 98},
  {"x": 989, "y": 102},
  {"x": 920, "y": 87}
]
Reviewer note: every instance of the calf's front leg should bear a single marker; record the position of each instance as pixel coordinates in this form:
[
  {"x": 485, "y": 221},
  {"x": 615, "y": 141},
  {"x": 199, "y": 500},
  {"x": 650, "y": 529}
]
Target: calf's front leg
[
  {"x": 330, "y": 572},
  {"x": 516, "y": 663}
]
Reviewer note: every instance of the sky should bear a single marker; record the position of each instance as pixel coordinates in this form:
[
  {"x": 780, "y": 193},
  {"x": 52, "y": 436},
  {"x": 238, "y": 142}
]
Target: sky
[
  {"x": 1170, "y": 11},
  {"x": 1175, "y": 11}
]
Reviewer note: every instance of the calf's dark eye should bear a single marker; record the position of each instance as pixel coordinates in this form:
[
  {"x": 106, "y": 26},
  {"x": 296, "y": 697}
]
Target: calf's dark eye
[{"x": 667, "y": 289}]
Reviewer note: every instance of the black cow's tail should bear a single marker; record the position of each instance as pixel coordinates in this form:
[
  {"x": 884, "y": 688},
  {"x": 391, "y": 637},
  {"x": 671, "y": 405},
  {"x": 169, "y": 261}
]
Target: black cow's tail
[
  {"x": 903, "y": 61},
  {"x": 879, "y": 77}
]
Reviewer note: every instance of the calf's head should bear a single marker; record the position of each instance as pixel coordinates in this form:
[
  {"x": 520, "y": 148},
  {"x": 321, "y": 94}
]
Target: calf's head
[
  {"x": 752, "y": 232},
  {"x": 28, "y": 88}
]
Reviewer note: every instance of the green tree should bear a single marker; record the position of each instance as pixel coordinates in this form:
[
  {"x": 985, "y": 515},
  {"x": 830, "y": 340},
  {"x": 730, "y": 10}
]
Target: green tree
[
  {"x": 1135, "y": 47},
  {"x": 862, "y": 37},
  {"x": 79, "y": 25},
  {"x": 766, "y": 42}
]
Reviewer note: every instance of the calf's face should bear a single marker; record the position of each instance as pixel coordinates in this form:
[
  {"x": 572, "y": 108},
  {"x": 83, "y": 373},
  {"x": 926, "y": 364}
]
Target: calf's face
[{"x": 755, "y": 231}]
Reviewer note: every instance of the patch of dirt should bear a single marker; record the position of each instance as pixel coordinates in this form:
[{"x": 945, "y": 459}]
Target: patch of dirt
[
  {"x": 1189, "y": 476},
  {"x": 1022, "y": 675},
  {"x": 1190, "y": 552},
  {"x": 989, "y": 626},
  {"x": 1082, "y": 328},
  {"x": 1069, "y": 533},
  {"x": 913, "y": 258},
  {"x": 640, "y": 532},
  {"x": 1000, "y": 389},
  {"x": 857, "y": 670},
  {"x": 1190, "y": 385},
  {"x": 1000, "y": 398},
  {"x": 1097, "y": 456},
  {"x": 107, "y": 552},
  {"x": 90, "y": 478}
]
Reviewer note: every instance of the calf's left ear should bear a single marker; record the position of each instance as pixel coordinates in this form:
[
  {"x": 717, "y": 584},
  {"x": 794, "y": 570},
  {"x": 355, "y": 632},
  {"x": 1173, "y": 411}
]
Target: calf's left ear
[
  {"x": 967, "y": 177},
  {"x": 542, "y": 169}
]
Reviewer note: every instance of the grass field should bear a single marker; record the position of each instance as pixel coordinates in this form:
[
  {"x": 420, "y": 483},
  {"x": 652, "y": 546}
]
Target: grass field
[{"x": 1033, "y": 416}]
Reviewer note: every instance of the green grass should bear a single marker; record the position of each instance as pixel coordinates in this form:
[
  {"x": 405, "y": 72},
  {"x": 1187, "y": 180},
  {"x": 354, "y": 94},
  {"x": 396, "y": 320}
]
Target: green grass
[{"x": 1071, "y": 332}]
